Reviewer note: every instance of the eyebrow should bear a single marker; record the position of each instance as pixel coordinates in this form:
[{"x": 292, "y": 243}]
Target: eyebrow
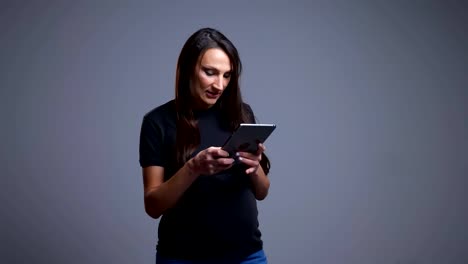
[{"x": 206, "y": 67}]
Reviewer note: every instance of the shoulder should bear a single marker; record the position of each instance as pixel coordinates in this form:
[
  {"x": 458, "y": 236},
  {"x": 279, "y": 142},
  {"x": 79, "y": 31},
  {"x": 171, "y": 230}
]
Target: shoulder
[
  {"x": 248, "y": 112},
  {"x": 246, "y": 106},
  {"x": 162, "y": 113}
]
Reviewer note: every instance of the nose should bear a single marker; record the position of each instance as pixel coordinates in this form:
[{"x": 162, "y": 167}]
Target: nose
[{"x": 218, "y": 83}]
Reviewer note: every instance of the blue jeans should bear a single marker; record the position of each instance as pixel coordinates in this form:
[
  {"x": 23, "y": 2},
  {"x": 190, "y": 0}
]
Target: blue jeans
[{"x": 258, "y": 257}]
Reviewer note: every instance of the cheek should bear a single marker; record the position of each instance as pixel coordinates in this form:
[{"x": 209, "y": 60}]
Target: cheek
[
  {"x": 204, "y": 81},
  {"x": 226, "y": 82}
]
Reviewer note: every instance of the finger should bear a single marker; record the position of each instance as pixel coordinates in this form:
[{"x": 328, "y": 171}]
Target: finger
[
  {"x": 218, "y": 152},
  {"x": 249, "y": 162},
  {"x": 225, "y": 161},
  {"x": 250, "y": 170},
  {"x": 206, "y": 154},
  {"x": 247, "y": 155},
  {"x": 222, "y": 153},
  {"x": 212, "y": 150},
  {"x": 261, "y": 148}
]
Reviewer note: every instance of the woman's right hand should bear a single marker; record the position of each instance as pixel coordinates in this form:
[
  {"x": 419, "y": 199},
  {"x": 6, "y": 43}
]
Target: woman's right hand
[{"x": 210, "y": 161}]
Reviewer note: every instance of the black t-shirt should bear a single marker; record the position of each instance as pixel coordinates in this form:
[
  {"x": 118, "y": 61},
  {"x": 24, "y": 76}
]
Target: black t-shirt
[{"x": 217, "y": 216}]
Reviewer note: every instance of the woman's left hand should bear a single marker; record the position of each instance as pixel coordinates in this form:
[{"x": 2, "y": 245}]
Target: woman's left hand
[{"x": 252, "y": 160}]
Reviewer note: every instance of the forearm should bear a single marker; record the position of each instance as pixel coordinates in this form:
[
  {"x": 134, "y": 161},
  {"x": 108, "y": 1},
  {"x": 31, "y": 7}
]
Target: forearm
[
  {"x": 260, "y": 184},
  {"x": 166, "y": 195}
]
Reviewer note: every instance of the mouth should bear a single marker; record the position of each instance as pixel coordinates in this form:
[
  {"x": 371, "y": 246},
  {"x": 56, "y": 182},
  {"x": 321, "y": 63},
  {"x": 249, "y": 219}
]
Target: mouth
[{"x": 212, "y": 94}]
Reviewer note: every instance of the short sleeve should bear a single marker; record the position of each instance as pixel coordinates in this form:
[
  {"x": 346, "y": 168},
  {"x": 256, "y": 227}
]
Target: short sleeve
[
  {"x": 250, "y": 114},
  {"x": 151, "y": 144}
]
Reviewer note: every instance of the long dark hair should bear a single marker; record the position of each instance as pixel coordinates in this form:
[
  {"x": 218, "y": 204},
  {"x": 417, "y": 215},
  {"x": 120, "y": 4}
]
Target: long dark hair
[{"x": 230, "y": 104}]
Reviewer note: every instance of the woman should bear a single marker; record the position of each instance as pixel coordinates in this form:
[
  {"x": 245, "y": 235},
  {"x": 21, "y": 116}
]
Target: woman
[{"x": 207, "y": 200}]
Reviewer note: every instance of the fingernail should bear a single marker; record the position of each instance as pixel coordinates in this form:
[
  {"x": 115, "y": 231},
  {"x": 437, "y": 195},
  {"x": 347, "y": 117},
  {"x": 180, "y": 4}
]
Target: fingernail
[{"x": 237, "y": 154}]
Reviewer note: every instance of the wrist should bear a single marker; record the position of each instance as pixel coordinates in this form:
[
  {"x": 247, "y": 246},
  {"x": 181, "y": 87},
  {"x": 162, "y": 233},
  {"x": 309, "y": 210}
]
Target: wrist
[
  {"x": 257, "y": 173},
  {"x": 253, "y": 174},
  {"x": 191, "y": 168}
]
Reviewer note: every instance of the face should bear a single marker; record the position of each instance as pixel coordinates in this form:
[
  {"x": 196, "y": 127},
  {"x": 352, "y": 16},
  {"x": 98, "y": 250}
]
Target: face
[{"x": 211, "y": 77}]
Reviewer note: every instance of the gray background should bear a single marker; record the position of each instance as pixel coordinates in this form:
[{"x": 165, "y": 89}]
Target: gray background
[{"x": 370, "y": 157}]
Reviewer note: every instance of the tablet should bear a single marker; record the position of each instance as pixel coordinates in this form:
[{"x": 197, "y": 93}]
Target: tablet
[{"x": 247, "y": 136}]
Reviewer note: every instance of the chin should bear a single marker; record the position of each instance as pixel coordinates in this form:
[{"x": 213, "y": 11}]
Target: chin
[{"x": 210, "y": 102}]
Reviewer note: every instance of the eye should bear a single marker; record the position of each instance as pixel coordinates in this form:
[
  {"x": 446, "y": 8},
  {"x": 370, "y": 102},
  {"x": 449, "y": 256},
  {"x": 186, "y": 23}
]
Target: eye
[
  {"x": 227, "y": 75},
  {"x": 209, "y": 72}
]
